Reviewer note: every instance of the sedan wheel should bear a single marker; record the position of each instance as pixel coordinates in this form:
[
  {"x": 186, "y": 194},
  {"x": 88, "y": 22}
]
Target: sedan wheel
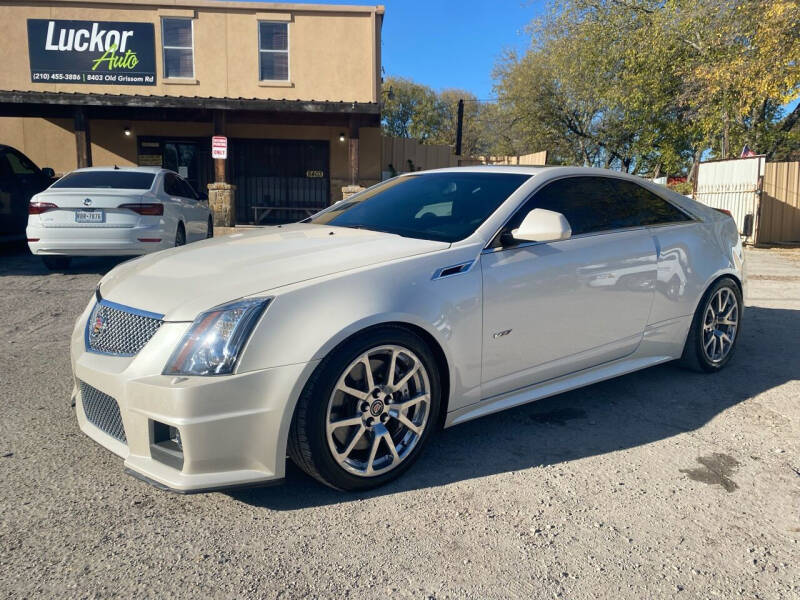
[
  {"x": 720, "y": 323},
  {"x": 378, "y": 410},
  {"x": 367, "y": 410},
  {"x": 715, "y": 328},
  {"x": 180, "y": 236}
]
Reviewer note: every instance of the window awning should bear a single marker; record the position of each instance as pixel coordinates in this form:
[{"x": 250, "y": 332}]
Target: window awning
[{"x": 183, "y": 108}]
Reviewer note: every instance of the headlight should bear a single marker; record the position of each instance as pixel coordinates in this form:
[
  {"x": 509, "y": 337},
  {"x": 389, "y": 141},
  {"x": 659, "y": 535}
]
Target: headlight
[{"x": 213, "y": 343}]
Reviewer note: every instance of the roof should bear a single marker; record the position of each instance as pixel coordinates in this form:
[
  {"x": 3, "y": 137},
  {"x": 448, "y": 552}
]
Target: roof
[
  {"x": 206, "y": 102},
  {"x": 226, "y": 5},
  {"x": 153, "y": 170}
]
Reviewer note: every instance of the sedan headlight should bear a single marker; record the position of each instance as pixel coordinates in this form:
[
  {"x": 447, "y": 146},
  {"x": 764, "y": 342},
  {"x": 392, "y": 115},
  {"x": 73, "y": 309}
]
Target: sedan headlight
[{"x": 213, "y": 343}]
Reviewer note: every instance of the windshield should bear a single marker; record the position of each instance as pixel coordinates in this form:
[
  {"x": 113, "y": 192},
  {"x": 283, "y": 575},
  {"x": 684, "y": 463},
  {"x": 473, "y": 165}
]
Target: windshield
[
  {"x": 125, "y": 180},
  {"x": 445, "y": 207}
]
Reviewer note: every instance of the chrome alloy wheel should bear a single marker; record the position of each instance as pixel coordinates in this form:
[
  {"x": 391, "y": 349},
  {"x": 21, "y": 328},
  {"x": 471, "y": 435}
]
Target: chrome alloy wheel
[
  {"x": 720, "y": 323},
  {"x": 378, "y": 410}
]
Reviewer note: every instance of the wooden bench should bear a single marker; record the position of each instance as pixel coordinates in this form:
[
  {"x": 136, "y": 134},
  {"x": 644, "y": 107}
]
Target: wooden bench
[{"x": 266, "y": 210}]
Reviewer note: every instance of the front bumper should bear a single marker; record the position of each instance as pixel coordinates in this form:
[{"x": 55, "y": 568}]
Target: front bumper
[{"x": 233, "y": 429}]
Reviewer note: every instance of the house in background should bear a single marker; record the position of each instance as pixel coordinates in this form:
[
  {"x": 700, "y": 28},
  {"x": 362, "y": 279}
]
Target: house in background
[{"x": 294, "y": 88}]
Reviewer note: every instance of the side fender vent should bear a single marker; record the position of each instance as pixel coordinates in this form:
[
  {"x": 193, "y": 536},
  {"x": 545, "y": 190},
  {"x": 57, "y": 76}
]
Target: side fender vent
[{"x": 453, "y": 270}]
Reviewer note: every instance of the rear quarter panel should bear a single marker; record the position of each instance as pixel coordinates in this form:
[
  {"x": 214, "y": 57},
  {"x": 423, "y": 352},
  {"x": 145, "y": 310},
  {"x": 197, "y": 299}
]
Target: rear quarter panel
[{"x": 691, "y": 257}]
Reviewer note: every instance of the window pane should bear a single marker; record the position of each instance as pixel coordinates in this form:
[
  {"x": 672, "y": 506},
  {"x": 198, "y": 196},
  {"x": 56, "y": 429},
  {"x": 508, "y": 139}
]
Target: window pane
[
  {"x": 186, "y": 190},
  {"x": 584, "y": 201},
  {"x": 593, "y": 204},
  {"x": 644, "y": 207},
  {"x": 19, "y": 164},
  {"x": 178, "y": 63},
  {"x": 177, "y": 32},
  {"x": 274, "y": 36},
  {"x": 171, "y": 186},
  {"x": 441, "y": 206},
  {"x": 274, "y": 65},
  {"x": 126, "y": 180}
]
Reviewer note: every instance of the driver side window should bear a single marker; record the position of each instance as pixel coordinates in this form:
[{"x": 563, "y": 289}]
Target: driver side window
[{"x": 584, "y": 201}]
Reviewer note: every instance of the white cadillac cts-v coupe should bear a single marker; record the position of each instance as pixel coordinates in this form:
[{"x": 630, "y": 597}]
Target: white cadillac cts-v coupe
[
  {"x": 113, "y": 211},
  {"x": 429, "y": 299}
]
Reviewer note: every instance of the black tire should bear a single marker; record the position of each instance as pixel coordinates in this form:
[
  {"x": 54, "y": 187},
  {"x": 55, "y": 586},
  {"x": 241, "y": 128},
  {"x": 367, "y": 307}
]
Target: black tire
[
  {"x": 210, "y": 229},
  {"x": 308, "y": 446},
  {"x": 180, "y": 236},
  {"x": 694, "y": 356},
  {"x": 56, "y": 263}
]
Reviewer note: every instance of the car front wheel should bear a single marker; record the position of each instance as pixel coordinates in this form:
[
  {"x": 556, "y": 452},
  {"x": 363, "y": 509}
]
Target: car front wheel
[{"x": 367, "y": 411}]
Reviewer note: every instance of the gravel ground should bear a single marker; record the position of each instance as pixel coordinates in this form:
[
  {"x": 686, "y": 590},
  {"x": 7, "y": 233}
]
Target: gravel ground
[{"x": 661, "y": 484}]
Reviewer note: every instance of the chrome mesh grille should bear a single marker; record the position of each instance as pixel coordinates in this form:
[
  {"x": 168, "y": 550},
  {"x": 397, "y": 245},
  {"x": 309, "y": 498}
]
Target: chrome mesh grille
[
  {"x": 102, "y": 411},
  {"x": 114, "y": 331}
]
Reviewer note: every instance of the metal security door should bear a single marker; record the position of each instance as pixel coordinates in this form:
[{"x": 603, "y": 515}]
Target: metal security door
[
  {"x": 279, "y": 181},
  {"x": 733, "y": 185}
]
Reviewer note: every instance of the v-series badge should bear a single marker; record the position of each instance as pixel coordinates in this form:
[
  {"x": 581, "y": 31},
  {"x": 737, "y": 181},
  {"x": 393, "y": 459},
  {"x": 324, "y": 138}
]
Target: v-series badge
[{"x": 99, "y": 52}]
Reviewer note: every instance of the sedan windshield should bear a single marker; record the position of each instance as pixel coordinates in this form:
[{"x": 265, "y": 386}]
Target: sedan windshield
[
  {"x": 125, "y": 180},
  {"x": 446, "y": 206}
]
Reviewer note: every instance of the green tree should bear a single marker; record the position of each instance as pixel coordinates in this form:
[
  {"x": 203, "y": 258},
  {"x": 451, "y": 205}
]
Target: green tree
[
  {"x": 419, "y": 112},
  {"x": 651, "y": 85},
  {"x": 412, "y": 111}
]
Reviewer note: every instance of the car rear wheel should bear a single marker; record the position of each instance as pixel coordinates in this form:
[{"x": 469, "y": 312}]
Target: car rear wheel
[
  {"x": 180, "y": 235},
  {"x": 56, "y": 263},
  {"x": 367, "y": 411},
  {"x": 715, "y": 328}
]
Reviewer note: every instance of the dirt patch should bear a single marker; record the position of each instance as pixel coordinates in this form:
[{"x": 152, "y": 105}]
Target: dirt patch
[{"x": 716, "y": 470}]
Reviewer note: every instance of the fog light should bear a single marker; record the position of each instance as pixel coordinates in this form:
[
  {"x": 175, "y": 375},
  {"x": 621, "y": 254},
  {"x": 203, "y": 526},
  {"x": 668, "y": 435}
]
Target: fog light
[
  {"x": 166, "y": 445},
  {"x": 175, "y": 436}
]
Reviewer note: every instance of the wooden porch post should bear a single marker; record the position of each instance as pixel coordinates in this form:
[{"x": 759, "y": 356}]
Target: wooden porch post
[
  {"x": 83, "y": 138},
  {"x": 353, "y": 150},
  {"x": 219, "y": 129}
]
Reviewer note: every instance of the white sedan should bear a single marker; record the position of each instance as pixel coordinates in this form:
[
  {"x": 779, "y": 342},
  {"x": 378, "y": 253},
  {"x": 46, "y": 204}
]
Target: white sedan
[
  {"x": 425, "y": 301},
  {"x": 119, "y": 211}
]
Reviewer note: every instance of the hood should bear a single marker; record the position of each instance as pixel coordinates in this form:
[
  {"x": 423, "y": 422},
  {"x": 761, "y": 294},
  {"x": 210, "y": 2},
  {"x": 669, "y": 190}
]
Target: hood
[{"x": 181, "y": 283}]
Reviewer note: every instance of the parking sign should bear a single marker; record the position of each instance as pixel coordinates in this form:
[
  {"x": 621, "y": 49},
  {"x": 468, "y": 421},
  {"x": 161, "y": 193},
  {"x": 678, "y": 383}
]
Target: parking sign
[{"x": 219, "y": 146}]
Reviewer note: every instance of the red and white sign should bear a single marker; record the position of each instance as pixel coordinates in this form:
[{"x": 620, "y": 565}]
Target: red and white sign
[{"x": 219, "y": 146}]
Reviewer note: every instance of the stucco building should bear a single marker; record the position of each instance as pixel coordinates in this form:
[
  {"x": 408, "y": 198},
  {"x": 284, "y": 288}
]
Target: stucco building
[{"x": 295, "y": 89}]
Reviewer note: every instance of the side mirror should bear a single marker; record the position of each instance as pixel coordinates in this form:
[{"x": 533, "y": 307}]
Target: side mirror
[
  {"x": 48, "y": 172},
  {"x": 747, "y": 226},
  {"x": 541, "y": 225}
]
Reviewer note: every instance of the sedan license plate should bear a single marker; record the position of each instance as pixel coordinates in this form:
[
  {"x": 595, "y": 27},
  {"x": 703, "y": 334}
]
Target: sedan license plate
[{"x": 95, "y": 215}]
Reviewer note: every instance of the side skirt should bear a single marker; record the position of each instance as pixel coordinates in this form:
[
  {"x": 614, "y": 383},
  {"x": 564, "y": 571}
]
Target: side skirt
[{"x": 553, "y": 387}]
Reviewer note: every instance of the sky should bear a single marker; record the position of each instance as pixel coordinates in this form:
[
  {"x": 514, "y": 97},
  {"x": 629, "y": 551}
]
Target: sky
[
  {"x": 455, "y": 43},
  {"x": 450, "y": 43}
]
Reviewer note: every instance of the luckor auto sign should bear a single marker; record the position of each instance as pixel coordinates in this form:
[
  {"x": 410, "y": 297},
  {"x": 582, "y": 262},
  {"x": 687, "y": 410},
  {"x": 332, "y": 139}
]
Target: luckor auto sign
[{"x": 104, "y": 52}]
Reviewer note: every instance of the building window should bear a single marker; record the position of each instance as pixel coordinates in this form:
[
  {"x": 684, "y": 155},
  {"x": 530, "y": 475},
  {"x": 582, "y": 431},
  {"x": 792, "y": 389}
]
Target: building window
[
  {"x": 178, "y": 43},
  {"x": 273, "y": 51}
]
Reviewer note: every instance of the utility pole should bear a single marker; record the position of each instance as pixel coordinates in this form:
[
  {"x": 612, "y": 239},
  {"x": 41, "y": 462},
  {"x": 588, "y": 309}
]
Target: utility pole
[{"x": 459, "y": 126}]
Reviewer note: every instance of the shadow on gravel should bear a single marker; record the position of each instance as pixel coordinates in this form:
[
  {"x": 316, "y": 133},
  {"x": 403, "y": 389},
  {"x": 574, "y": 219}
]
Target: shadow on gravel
[
  {"x": 622, "y": 413},
  {"x": 16, "y": 260}
]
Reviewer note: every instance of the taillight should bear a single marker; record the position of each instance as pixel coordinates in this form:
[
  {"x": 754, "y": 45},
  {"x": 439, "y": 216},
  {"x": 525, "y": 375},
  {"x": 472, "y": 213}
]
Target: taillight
[
  {"x": 724, "y": 211},
  {"x": 37, "y": 208},
  {"x": 148, "y": 209}
]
